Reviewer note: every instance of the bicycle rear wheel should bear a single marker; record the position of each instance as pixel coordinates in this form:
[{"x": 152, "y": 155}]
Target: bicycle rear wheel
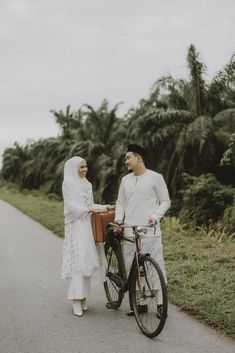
[
  {"x": 149, "y": 297},
  {"x": 114, "y": 284}
]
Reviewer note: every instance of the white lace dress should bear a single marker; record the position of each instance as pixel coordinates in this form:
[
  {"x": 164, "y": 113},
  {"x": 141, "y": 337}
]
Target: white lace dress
[{"x": 80, "y": 258}]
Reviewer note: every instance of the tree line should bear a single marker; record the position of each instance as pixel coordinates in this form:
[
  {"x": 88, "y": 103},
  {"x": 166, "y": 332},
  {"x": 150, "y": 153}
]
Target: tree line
[{"x": 186, "y": 125}]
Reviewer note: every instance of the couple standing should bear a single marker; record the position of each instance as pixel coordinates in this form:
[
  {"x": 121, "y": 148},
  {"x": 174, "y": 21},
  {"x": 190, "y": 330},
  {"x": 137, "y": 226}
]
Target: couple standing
[{"x": 143, "y": 198}]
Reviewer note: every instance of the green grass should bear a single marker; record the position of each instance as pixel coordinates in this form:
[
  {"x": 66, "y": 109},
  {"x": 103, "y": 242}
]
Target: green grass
[
  {"x": 200, "y": 272},
  {"x": 48, "y": 212},
  {"x": 200, "y": 267}
]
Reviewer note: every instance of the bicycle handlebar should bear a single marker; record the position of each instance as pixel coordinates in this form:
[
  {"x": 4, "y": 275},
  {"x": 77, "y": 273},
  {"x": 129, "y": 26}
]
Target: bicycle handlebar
[{"x": 135, "y": 227}]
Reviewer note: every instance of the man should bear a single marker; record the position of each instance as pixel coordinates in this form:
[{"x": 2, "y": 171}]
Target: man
[{"x": 142, "y": 199}]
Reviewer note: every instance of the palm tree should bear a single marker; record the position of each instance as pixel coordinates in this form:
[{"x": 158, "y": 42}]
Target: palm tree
[
  {"x": 197, "y": 85},
  {"x": 104, "y": 131},
  {"x": 221, "y": 90},
  {"x": 195, "y": 94},
  {"x": 176, "y": 127},
  {"x": 13, "y": 163},
  {"x": 94, "y": 134},
  {"x": 68, "y": 121},
  {"x": 229, "y": 155}
]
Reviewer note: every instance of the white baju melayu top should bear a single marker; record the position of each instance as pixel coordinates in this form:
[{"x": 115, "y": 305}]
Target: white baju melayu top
[{"x": 140, "y": 198}]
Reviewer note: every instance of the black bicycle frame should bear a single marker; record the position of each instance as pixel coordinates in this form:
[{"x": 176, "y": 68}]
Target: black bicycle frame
[{"x": 116, "y": 243}]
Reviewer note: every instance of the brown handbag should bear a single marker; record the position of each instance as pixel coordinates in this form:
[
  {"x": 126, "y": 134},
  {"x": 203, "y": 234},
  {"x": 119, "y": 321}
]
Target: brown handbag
[{"x": 99, "y": 222}]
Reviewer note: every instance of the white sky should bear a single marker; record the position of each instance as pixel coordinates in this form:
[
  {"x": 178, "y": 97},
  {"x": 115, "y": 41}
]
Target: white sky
[{"x": 60, "y": 52}]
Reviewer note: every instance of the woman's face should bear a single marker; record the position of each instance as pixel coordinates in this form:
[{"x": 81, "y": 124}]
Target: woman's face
[{"x": 82, "y": 170}]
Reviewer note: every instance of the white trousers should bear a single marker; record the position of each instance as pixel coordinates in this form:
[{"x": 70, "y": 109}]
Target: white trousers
[
  {"x": 79, "y": 287},
  {"x": 151, "y": 245}
]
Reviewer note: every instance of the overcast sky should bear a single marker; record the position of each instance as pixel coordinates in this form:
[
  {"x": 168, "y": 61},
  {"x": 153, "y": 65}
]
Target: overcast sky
[{"x": 60, "y": 52}]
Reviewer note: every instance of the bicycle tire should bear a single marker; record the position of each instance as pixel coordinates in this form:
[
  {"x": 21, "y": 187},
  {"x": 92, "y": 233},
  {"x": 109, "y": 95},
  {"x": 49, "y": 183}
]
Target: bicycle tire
[
  {"x": 113, "y": 285},
  {"x": 148, "y": 291}
]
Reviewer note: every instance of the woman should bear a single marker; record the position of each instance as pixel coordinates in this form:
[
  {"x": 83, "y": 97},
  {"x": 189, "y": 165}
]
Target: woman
[{"x": 80, "y": 259}]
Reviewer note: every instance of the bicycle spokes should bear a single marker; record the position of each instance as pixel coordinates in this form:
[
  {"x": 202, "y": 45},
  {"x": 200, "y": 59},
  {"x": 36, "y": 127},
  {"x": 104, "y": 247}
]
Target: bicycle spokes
[
  {"x": 113, "y": 285},
  {"x": 148, "y": 295}
]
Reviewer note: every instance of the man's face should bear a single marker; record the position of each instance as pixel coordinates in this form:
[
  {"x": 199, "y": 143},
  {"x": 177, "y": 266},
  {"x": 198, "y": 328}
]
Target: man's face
[{"x": 131, "y": 160}]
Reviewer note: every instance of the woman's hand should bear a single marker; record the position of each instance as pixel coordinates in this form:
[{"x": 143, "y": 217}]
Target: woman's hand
[
  {"x": 110, "y": 207},
  {"x": 102, "y": 208}
]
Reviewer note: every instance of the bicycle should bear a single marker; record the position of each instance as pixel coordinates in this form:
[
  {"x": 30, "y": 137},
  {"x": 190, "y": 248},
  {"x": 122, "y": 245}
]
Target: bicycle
[{"x": 145, "y": 282}]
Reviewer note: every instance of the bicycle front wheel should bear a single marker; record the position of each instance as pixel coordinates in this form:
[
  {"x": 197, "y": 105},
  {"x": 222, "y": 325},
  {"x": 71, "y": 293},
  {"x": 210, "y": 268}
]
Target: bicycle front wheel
[
  {"x": 113, "y": 284},
  {"x": 149, "y": 297}
]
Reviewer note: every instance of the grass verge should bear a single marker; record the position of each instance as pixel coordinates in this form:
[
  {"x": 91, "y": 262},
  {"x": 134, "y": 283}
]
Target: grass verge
[
  {"x": 200, "y": 271},
  {"x": 48, "y": 212},
  {"x": 200, "y": 267}
]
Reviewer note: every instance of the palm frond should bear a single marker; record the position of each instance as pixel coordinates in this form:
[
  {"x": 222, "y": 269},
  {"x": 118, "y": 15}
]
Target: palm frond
[{"x": 226, "y": 120}]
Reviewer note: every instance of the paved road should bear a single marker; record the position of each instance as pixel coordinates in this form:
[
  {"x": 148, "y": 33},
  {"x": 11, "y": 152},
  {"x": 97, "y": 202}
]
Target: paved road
[{"x": 35, "y": 315}]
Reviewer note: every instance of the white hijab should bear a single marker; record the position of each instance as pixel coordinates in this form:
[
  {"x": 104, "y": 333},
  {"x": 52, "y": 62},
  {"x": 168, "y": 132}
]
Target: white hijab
[
  {"x": 77, "y": 191},
  {"x": 71, "y": 173}
]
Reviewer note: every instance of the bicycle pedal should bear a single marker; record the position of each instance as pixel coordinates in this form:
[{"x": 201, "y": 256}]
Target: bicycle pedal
[
  {"x": 143, "y": 308},
  {"x": 112, "y": 305},
  {"x": 130, "y": 313}
]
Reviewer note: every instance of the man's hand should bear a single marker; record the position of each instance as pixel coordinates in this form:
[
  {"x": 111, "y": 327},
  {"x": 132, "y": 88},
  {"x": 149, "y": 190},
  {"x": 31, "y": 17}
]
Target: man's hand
[
  {"x": 152, "y": 221},
  {"x": 117, "y": 229}
]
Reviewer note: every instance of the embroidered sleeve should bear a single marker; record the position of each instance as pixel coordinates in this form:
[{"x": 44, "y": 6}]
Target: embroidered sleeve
[{"x": 72, "y": 209}]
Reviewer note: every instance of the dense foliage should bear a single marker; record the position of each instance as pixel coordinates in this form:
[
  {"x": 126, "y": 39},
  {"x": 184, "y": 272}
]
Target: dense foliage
[
  {"x": 186, "y": 125},
  {"x": 208, "y": 197}
]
